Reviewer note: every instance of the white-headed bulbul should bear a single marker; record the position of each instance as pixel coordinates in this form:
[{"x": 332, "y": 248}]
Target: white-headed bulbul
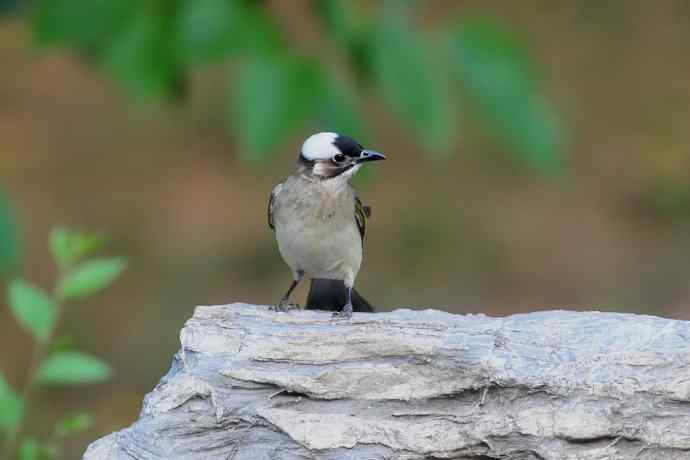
[{"x": 319, "y": 222}]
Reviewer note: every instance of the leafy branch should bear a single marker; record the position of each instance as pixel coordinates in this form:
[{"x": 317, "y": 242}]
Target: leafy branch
[
  {"x": 425, "y": 77},
  {"x": 39, "y": 313}
]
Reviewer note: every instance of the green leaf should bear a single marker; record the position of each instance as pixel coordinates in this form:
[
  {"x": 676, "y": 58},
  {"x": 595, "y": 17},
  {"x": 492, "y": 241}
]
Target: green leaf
[
  {"x": 142, "y": 58},
  {"x": 352, "y": 29},
  {"x": 68, "y": 247},
  {"x": 260, "y": 33},
  {"x": 9, "y": 6},
  {"x": 33, "y": 309},
  {"x": 73, "y": 424},
  {"x": 63, "y": 343},
  {"x": 407, "y": 71},
  {"x": 60, "y": 246},
  {"x": 274, "y": 97},
  {"x": 501, "y": 81},
  {"x": 87, "y": 26},
  {"x": 11, "y": 407},
  {"x": 207, "y": 30},
  {"x": 340, "y": 17},
  {"x": 30, "y": 449},
  {"x": 70, "y": 368},
  {"x": 90, "y": 277},
  {"x": 9, "y": 237}
]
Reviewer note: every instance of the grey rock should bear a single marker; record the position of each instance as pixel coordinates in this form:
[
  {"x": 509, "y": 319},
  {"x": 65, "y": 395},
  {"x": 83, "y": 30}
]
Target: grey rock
[{"x": 250, "y": 384}]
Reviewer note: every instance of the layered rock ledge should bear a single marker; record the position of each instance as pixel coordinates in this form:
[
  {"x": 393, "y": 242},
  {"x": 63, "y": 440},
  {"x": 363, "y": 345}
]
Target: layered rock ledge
[{"x": 250, "y": 384}]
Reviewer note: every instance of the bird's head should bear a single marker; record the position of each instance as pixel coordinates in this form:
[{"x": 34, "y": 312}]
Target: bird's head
[{"x": 331, "y": 155}]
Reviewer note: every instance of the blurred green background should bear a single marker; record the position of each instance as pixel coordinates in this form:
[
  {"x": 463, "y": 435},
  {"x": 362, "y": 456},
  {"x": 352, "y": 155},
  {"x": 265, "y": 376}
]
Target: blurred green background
[{"x": 538, "y": 158}]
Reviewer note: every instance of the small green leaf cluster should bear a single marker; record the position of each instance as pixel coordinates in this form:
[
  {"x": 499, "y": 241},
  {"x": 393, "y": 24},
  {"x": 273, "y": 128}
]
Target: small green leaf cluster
[
  {"x": 56, "y": 361},
  {"x": 426, "y": 76}
]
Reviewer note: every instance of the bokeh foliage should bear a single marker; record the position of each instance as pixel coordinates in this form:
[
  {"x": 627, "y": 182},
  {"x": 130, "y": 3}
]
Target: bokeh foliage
[
  {"x": 55, "y": 360},
  {"x": 424, "y": 75}
]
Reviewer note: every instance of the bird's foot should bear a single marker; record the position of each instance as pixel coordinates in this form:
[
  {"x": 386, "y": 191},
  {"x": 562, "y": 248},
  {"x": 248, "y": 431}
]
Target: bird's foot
[
  {"x": 345, "y": 313},
  {"x": 284, "y": 306}
]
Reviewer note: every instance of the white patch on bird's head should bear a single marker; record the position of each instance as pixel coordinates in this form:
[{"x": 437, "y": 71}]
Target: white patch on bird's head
[{"x": 320, "y": 146}]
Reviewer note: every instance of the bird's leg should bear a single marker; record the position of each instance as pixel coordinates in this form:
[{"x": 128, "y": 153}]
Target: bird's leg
[
  {"x": 284, "y": 304},
  {"x": 346, "y": 312}
]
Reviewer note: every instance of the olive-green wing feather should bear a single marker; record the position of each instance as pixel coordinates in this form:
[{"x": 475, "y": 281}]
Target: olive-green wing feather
[
  {"x": 361, "y": 215},
  {"x": 271, "y": 202}
]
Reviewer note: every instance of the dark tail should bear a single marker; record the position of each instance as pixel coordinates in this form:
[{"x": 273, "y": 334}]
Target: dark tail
[{"x": 331, "y": 295}]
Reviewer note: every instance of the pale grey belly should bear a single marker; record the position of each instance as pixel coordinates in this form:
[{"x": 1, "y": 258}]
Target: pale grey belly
[{"x": 320, "y": 250}]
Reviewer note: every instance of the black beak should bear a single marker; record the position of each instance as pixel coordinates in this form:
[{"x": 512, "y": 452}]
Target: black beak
[{"x": 370, "y": 155}]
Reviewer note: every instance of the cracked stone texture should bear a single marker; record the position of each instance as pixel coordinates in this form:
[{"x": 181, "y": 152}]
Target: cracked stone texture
[{"x": 250, "y": 384}]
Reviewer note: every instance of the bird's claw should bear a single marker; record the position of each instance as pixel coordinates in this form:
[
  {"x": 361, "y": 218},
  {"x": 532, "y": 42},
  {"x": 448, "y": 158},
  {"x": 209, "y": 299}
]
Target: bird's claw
[
  {"x": 284, "y": 306},
  {"x": 345, "y": 313}
]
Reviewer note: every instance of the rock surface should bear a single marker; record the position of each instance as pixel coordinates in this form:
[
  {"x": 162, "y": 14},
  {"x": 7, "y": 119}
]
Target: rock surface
[{"x": 249, "y": 384}]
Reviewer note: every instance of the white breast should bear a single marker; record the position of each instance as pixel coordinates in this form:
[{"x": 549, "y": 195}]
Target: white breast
[{"x": 317, "y": 232}]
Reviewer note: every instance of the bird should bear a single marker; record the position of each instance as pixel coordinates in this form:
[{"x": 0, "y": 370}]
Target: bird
[{"x": 319, "y": 223}]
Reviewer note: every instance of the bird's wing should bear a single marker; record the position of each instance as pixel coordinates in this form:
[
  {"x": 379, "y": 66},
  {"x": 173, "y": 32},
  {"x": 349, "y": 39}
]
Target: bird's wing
[
  {"x": 361, "y": 215},
  {"x": 271, "y": 202}
]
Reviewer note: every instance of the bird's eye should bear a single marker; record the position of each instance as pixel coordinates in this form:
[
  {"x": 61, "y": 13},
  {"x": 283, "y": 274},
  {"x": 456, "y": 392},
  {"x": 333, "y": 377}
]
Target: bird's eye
[{"x": 339, "y": 158}]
